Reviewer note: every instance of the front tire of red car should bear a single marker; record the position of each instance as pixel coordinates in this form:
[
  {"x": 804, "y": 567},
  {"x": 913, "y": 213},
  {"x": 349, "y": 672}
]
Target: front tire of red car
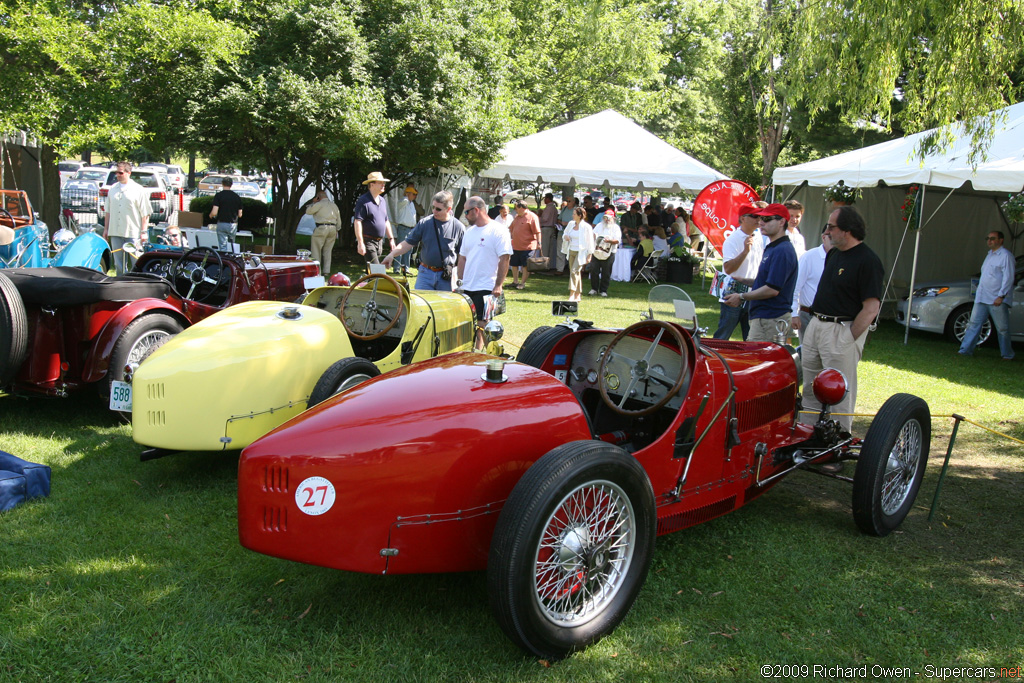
[
  {"x": 13, "y": 331},
  {"x": 571, "y": 548},
  {"x": 341, "y": 376},
  {"x": 891, "y": 464}
]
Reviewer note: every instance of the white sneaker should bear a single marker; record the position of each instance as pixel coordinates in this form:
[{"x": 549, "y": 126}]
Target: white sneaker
[
  {"x": 604, "y": 293},
  {"x": 593, "y": 292}
]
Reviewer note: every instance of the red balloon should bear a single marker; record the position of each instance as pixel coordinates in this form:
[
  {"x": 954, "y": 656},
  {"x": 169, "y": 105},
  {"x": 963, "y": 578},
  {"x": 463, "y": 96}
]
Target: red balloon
[{"x": 716, "y": 209}]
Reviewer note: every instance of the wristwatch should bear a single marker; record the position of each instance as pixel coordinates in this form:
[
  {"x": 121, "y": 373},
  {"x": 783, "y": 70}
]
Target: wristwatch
[
  {"x": 458, "y": 283},
  {"x": 742, "y": 298}
]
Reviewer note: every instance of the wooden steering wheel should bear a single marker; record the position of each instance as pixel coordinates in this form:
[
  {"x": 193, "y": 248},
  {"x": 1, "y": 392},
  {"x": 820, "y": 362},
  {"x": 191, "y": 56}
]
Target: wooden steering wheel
[
  {"x": 371, "y": 311},
  {"x": 641, "y": 370}
]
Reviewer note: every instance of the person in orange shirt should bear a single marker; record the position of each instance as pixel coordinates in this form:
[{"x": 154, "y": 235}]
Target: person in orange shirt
[{"x": 525, "y": 231}]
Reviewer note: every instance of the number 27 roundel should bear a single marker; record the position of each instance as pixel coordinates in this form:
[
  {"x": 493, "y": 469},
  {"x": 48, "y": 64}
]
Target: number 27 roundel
[
  {"x": 716, "y": 209},
  {"x": 314, "y": 496}
]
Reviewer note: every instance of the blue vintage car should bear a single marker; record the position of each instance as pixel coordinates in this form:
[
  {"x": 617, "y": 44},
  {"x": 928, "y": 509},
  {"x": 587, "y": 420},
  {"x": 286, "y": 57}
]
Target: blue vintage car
[{"x": 25, "y": 240}]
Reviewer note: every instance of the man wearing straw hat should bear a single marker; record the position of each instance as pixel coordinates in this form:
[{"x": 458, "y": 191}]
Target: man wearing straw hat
[{"x": 371, "y": 219}]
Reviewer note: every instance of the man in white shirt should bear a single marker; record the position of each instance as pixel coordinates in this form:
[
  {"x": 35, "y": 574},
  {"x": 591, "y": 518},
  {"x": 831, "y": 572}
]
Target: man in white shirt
[
  {"x": 741, "y": 257},
  {"x": 811, "y": 265},
  {"x": 483, "y": 259},
  {"x": 993, "y": 298},
  {"x": 796, "y": 238},
  {"x": 405, "y": 221},
  {"x": 128, "y": 210}
]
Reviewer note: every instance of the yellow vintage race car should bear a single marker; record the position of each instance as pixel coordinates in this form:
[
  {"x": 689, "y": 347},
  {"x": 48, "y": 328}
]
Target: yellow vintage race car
[{"x": 233, "y": 377}]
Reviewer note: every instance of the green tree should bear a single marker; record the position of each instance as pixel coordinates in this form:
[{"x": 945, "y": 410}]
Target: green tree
[{"x": 81, "y": 74}]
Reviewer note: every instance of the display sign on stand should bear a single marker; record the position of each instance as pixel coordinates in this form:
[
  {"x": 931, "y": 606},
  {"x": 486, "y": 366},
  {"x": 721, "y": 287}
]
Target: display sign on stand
[{"x": 716, "y": 209}]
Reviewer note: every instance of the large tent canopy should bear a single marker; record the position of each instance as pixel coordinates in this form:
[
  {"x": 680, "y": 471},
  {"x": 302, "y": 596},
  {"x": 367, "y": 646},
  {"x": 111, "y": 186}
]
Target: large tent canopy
[
  {"x": 604, "y": 149},
  {"x": 960, "y": 205}
]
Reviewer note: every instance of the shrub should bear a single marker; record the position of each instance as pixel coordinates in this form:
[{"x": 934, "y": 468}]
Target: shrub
[{"x": 254, "y": 213}]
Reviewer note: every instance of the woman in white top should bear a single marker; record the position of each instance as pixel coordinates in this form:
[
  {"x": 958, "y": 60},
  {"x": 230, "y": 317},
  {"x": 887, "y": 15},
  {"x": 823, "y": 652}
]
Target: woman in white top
[
  {"x": 607, "y": 236},
  {"x": 660, "y": 240},
  {"x": 577, "y": 245}
]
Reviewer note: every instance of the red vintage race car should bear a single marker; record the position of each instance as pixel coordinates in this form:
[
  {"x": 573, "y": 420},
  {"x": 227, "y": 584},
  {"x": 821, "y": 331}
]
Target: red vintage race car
[
  {"x": 556, "y": 473},
  {"x": 64, "y": 328}
]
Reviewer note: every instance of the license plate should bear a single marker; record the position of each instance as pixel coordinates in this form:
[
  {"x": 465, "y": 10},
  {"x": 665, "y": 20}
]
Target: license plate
[{"x": 121, "y": 396}]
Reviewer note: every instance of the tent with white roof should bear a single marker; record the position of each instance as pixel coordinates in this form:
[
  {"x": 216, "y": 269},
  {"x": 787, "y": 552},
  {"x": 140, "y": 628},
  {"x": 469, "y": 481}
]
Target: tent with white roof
[
  {"x": 604, "y": 149},
  {"x": 961, "y": 198}
]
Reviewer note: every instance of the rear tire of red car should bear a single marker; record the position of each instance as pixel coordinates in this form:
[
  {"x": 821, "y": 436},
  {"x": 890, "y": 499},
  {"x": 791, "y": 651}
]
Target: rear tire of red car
[
  {"x": 342, "y": 375},
  {"x": 891, "y": 464},
  {"x": 13, "y": 331},
  {"x": 136, "y": 341},
  {"x": 539, "y": 343},
  {"x": 571, "y": 549}
]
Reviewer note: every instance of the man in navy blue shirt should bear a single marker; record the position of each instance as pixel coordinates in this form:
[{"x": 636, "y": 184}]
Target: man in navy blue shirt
[
  {"x": 771, "y": 295},
  {"x": 371, "y": 220}
]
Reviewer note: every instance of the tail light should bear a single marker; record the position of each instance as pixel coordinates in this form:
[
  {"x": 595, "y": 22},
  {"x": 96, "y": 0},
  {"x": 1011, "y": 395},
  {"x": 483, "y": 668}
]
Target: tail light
[
  {"x": 104, "y": 191},
  {"x": 158, "y": 195}
]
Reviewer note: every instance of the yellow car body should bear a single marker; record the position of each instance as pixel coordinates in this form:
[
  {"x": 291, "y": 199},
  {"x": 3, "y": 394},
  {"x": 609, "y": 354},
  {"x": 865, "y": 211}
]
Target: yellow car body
[{"x": 231, "y": 378}]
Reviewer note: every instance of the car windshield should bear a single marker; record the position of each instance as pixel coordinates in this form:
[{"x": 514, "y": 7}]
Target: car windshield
[
  {"x": 89, "y": 175},
  {"x": 211, "y": 180},
  {"x": 176, "y": 170},
  {"x": 68, "y": 166}
]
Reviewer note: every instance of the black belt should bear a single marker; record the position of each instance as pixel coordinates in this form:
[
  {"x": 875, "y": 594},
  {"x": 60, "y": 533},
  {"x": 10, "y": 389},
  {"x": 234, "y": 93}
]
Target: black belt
[
  {"x": 831, "y": 318},
  {"x": 319, "y": 225},
  {"x": 806, "y": 309}
]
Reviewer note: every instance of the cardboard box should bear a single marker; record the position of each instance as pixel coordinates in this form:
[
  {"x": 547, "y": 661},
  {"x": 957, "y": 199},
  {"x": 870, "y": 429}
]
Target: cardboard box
[
  {"x": 261, "y": 249},
  {"x": 190, "y": 219}
]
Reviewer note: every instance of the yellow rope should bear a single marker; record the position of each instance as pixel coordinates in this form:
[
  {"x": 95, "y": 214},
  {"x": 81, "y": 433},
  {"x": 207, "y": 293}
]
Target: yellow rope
[{"x": 952, "y": 417}]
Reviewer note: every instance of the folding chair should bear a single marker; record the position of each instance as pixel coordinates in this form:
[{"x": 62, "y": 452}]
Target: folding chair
[{"x": 646, "y": 271}]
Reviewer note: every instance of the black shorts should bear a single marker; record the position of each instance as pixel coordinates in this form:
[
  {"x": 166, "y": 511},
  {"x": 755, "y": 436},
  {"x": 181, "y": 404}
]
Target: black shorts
[
  {"x": 519, "y": 258},
  {"x": 478, "y": 301}
]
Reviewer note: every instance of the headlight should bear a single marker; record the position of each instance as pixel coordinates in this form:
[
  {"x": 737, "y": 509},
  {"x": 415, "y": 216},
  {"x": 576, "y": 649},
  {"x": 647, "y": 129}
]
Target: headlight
[
  {"x": 929, "y": 291},
  {"x": 61, "y": 239}
]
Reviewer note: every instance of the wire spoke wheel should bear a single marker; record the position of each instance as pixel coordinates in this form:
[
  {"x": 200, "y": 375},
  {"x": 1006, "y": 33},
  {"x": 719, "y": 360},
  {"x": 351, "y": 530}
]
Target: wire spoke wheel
[
  {"x": 901, "y": 466},
  {"x": 584, "y": 553}
]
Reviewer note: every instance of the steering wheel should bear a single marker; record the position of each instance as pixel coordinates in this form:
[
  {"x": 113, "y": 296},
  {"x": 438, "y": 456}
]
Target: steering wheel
[
  {"x": 371, "y": 312},
  {"x": 196, "y": 275},
  {"x": 640, "y": 369}
]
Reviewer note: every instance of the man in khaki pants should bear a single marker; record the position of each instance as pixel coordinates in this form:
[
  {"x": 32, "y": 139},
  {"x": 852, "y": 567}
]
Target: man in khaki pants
[{"x": 328, "y": 222}]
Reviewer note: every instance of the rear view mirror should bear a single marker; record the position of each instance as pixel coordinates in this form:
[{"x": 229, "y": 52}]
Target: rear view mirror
[{"x": 561, "y": 308}]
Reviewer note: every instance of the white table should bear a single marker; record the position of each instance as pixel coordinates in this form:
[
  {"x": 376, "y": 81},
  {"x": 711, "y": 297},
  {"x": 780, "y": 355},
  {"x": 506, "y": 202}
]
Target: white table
[{"x": 621, "y": 271}]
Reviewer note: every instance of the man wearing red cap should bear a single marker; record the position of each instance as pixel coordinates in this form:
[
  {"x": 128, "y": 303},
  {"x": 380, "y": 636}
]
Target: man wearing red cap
[
  {"x": 771, "y": 295},
  {"x": 741, "y": 255}
]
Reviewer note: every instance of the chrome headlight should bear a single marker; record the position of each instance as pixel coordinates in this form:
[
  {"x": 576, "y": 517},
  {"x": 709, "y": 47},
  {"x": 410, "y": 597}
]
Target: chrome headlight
[
  {"x": 62, "y": 238},
  {"x": 493, "y": 331},
  {"x": 929, "y": 291}
]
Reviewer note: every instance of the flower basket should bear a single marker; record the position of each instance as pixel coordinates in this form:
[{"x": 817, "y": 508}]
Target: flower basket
[
  {"x": 911, "y": 209},
  {"x": 1013, "y": 208},
  {"x": 841, "y": 193}
]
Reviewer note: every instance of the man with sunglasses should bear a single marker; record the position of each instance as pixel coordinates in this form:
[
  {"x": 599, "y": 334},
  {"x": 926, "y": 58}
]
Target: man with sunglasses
[
  {"x": 440, "y": 238},
  {"x": 771, "y": 294},
  {"x": 483, "y": 260},
  {"x": 993, "y": 298},
  {"x": 127, "y": 214},
  {"x": 845, "y": 307}
]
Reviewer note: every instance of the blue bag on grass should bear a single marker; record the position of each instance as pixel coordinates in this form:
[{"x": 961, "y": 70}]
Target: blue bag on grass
[{"x": 21, "y": 480}]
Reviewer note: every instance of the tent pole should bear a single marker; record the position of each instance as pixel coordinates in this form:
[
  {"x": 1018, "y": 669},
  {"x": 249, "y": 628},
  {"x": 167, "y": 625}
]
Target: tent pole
[
  {"x": 913, "y": 267},
  {"x": 795, "y": 190}
]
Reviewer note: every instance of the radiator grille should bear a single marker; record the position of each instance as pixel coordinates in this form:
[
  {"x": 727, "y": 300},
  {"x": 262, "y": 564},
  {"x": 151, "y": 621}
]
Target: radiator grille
[
  {"x": 681, "y": 520},
  {"x": 767, "y": 408},
  {"x": 275, "y": 518},
  {"x": 275, "y": 479}
]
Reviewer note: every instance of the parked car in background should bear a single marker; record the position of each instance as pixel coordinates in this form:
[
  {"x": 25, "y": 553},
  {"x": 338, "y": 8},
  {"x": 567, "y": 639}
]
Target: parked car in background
[
  {"x": 249, "y": 189},
  {"x": 66, "y": 169},
  {"x": 944, "y": 307},
  {"x": 175, "y": 175},
  {"x": 81, "y": 193},
  {"x": 25, "y": 240},
  {"x": 161, "y": 197},
  {"x": 211, "y": 184},
  {"x": 266, "y": 362},
  {"x": 67, "y": 328}
]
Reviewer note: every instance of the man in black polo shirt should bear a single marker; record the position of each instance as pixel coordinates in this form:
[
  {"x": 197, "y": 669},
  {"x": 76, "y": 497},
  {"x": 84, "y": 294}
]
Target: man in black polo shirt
[
  {"x": 227, "y": 209},
  {"x": 845, "y": 306},
  {"x": 371, "y": 219},
  {"x": 440, "y": 238}
]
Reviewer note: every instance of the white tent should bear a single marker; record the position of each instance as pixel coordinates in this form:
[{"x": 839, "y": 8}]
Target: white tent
[
  {"x": 602, "y": 149},
  {"x": 961, "y": 201}
]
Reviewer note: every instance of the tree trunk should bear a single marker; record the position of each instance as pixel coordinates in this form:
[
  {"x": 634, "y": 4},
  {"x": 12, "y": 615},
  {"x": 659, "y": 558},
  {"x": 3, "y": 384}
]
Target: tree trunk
[{"x": 50, "y": 210}]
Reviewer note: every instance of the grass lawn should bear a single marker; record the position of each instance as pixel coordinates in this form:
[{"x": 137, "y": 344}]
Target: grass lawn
[{"x": 132, "y": 571}]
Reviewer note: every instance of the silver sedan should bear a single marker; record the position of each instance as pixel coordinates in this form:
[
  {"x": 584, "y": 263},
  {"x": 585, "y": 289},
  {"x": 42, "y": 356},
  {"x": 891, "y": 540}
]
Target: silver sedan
[{"x": 945, "y": 308}]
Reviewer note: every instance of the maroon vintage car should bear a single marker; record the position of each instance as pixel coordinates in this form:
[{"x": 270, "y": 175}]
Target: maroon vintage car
[
  {"x": 555, "y": 473},
  {"x": 66, "y": 327}
]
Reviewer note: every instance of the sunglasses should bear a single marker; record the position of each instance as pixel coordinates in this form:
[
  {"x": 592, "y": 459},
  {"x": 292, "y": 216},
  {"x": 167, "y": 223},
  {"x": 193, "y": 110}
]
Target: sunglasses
[
  {"x": 769, "y": 219},
  {"x": 439, "y": 208},
  {"x": 991, "y": 239}
]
